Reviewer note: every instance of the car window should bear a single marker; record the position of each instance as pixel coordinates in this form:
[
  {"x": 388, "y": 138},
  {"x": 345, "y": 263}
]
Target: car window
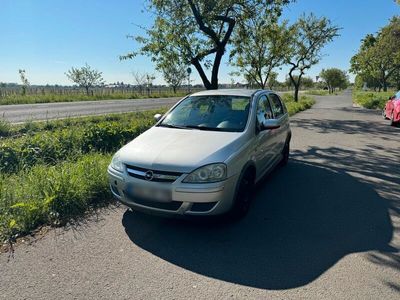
[
  {"x": 264, "y": 111},
  {"x": 277, "y": 107},
  {"x": 214, "y": 113}
]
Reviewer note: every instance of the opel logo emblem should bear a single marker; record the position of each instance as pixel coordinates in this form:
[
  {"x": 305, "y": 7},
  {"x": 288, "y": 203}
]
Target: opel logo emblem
[{"x": 149, "y": 175}]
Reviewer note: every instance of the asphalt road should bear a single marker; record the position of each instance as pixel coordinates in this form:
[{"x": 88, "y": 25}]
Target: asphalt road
[
  {"x": 325, "y": 226},
  {"x": 46, "y": 111}
]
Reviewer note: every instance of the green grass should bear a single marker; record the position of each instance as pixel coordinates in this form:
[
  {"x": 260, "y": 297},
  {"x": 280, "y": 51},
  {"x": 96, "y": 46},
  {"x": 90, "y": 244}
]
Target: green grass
[
  {"x": 54, "y": 172},
  {"x": 52, "y": 195},
  {"x": 371, "y": 100},
  {"x": 51, "y": 98},
  {"x": 53, "y": 142},
  {"x": 305, "y": 102}
]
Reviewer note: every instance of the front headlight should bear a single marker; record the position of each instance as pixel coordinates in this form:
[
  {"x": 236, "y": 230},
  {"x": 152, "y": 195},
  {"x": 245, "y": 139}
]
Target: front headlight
[
  {"x": 207, "y": 174},
  {"x": 116, "y": 163}
]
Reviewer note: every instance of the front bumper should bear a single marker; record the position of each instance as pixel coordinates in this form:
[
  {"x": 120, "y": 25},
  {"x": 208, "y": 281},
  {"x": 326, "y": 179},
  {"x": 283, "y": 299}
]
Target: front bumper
[{"x": 186, "y": 199}]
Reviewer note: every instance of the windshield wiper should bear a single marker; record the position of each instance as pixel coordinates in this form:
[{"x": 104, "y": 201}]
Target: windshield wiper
[
  {"x": 204, "y": 128},
  {"x": 172, "y": 126}
]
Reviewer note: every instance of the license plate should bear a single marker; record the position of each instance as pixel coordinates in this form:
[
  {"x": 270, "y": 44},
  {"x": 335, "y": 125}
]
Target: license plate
[{"x": 150, "y": 193}]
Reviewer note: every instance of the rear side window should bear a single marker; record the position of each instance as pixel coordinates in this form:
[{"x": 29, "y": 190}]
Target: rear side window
[{"x": 277, "y": 107}]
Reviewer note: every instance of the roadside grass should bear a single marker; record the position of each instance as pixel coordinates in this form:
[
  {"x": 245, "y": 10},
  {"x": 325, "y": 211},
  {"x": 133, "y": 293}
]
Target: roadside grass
[
  {"x": 54, "y": 172},
  {"x": 52, "y": 195},
  {"x": 371, "y": 100},
  {"x": 305, "y": 102},
  {"x": 53, "y": 97},
  {"x": 77, "y": 137}
]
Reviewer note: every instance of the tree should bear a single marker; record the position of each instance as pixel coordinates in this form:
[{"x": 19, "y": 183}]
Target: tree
[
  {"x": 174, "y": 72},
  {"x": 24, "y": 81},
  {"x": 143, "y": 80},
  {"x": 260, "y": 46},
  {"x": 306, "y": 82},
  {"x": 85, "y": 77},
  {"x": 334, "y": 78},
  {"x": 197, "y": 32},
  {"x": 273, "y": 80},
  {"x": 310, "y": 37},
  {"x": 379, "y": 56}
]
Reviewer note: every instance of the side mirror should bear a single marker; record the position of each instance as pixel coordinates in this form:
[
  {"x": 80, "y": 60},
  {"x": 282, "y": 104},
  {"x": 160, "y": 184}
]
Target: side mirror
[
  {"x": 157, "y": 117},
  {"x": 270, "y": 124}
]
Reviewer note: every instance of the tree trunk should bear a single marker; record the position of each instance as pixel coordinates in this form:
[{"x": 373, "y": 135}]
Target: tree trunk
[
  {"x": 87, "y": 90},
  {"x": 296, "y": 92},
  {"x": 385, "y": 85}
]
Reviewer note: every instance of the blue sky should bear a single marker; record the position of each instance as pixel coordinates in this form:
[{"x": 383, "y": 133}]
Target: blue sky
[{"x": 47, "y": 37}]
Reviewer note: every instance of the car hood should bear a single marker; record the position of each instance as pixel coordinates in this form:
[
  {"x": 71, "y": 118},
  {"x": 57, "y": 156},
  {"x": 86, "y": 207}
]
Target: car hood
[{"x": 179, "y": 150}]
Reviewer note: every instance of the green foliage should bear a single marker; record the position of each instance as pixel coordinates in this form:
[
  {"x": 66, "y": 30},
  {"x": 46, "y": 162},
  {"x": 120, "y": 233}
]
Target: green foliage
[
  {"x": 260, "y": 46},
  {"x": 196, "y": 30},
  {"x": 85, "y": 77},
  {"x": 5, "y": 128},
  {"x": 334, "y": 78},
  {"x": 52, "y": 195},
  {"x": 317, "y": 92},
  {"x": 293, "y": 107},
  {"x": 311, "y": 36},
  {"x": 52, "y": 146},
  {"x": 372, "y": 100},
  {"x": 378, "y": 58}
]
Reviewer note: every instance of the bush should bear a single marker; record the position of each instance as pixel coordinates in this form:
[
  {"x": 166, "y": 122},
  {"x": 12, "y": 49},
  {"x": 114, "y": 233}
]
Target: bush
[
  {"x": 371, "y": 100},
  {"x": 52, "y": 195},
  {"x": 305, "y": 102}
]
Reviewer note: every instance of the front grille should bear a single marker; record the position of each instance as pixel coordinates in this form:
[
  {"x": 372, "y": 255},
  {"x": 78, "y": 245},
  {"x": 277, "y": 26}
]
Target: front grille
[{"x": 152, "y": 175}]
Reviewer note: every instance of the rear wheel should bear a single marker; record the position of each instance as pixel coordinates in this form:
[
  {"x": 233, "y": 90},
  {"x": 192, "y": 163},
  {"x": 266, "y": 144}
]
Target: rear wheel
[{"x": 243, "y": 197}]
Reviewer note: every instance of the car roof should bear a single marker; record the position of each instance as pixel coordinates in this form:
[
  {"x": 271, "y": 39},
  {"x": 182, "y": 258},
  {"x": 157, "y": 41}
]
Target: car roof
[{"x": 229, "y": 92}]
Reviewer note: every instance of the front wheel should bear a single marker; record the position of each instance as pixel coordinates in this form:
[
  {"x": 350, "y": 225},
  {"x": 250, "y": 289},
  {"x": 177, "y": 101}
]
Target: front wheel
[
  {"x": 285, "y": 154},
  {"x": 243, "y": 197},
  {"x": 384, "y": 114},
  {"x": 392, "y": 123}
]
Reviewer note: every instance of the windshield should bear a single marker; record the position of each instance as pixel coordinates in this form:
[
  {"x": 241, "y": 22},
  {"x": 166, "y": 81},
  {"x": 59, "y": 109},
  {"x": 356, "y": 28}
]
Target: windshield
[{"x": 217, "y": 113}]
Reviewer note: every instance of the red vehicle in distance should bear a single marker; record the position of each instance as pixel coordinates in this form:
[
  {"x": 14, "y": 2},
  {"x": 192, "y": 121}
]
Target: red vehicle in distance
[{"x": 392, "y": 110}]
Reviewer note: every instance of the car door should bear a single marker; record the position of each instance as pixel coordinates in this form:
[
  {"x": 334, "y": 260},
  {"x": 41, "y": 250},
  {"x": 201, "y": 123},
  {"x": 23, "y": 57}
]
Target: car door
[
  {"x": 264, "y": 152},
  {"x": 279, "y": 135}
]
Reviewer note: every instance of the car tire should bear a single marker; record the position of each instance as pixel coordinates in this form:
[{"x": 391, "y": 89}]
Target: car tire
[
  {"x": 285, "y": 154},
  {"x": 384, "y": 114},
  {"x": 392, "y": 123},
  {"x": 243, "y": 197}
]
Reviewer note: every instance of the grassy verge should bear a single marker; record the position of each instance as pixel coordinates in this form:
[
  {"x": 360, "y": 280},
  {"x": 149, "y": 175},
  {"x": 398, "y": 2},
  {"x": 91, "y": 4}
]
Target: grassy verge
[
  {"x": 52, "y": 98},
  {"x": 371, "y": 100},
  {"x": 305, "y": 102},
  {"x": 54, "y": 172},
  {"x": 52, "y": 195}
]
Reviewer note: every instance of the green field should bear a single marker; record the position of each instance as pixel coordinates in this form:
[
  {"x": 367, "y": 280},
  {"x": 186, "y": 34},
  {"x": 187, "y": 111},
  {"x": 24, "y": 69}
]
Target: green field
[
  {"x": 54, "y": 172},
  {"x": 53, "y": 97},
  {"x": 372, "y": 100}
]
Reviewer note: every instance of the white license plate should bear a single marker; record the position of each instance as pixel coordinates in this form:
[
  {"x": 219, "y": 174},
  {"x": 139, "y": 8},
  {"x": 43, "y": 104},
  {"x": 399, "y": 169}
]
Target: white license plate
[{"x": 150, "y": 193}]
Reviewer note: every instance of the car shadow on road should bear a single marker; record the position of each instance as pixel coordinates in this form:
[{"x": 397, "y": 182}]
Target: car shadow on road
[{"x": 304, "y": 219}]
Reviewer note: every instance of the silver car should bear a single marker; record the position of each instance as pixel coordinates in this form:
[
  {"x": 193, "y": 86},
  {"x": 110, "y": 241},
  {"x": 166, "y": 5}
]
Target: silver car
[{"x": 204, "y": 156}]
